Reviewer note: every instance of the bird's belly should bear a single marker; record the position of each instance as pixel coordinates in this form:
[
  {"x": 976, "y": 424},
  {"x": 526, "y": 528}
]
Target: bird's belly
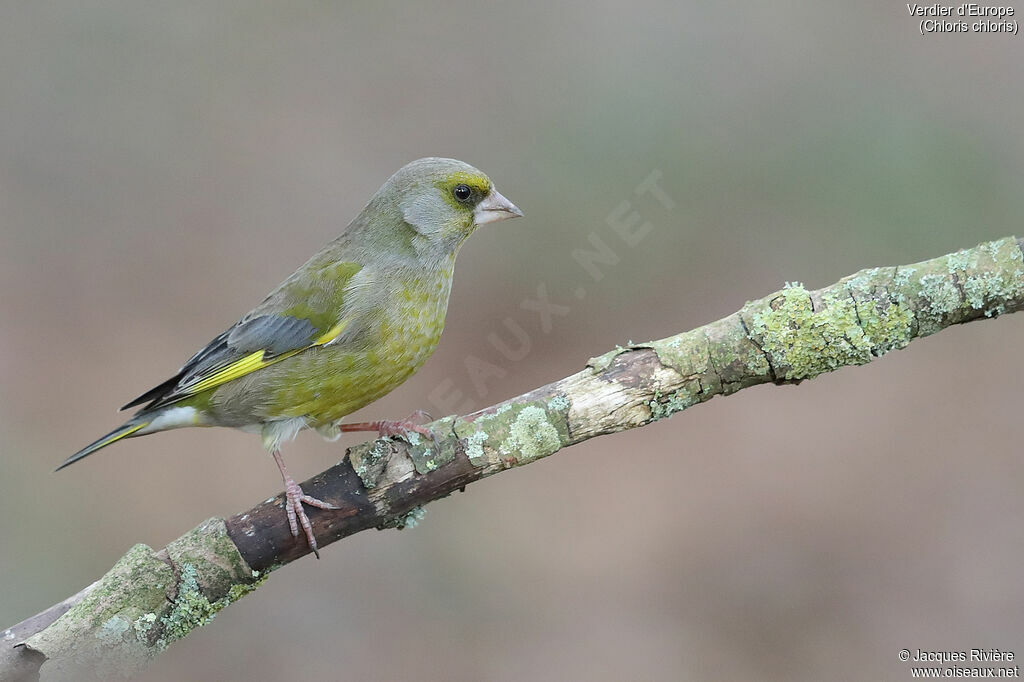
[{"x": 326, "y": 383}]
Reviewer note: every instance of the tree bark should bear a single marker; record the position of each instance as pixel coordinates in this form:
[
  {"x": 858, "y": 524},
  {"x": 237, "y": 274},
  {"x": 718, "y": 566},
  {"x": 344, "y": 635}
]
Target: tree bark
[{"x": 150, "y": 598}]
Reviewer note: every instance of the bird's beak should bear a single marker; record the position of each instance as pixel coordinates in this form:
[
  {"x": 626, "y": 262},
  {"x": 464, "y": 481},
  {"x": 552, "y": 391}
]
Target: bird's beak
[{"x": 493, "y": 208}]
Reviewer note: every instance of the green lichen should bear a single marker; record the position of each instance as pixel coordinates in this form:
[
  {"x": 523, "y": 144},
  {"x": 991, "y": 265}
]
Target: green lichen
[
  {"x": 425, "y": 454},
  {"x": 958, "y": 262},
  {"x": 941, "y": 298},
  {"x": 127, "y": 617},
  {"x": 803, "y": 343},
  {"x": 98, "y": 632},
  {"x": 239, "y": 590},
  {"x": 559, "y": 403},
  {"x": 903, "y": 275},
  {"x": 522, "y": 431},
  {"x": 475, "y": 447},
  {"x": 409, "y": 519},
  {"x": 215, "y": 556},
  {"x": 993, "y": 248},
  {"x": 368, "y": 460},
  {"x": 413, "y": 517},
  {"x": 113, "y": 629},
  {"x": 209, "y": 566},
  {"x": 981, "y": 289},
  {"x": 677, "y": 402},
  {"x": 686, "y": 352},
  {"x": 887, "y": 326},
  {"x": 954, "y": 288},
  {"x": 531, "y": 435},
  {"x": 143, "y": 625},
  {"x": 191, "y": 608},
  {"x": 756, "y": 364},
  {"x": 994, "y": 277}
]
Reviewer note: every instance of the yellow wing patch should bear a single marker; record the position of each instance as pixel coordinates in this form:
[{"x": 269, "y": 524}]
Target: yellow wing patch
[
  {"x": 256, "y": 360},
  {"x": 238, "y": 368},
  {"x": 331, "y": 334}
]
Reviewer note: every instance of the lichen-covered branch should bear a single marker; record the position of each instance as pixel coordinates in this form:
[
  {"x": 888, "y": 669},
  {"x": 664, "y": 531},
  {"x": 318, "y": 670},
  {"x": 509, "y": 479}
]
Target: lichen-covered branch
[
  {"x": 146, "y": 601},
  {"x": 149, "y": 599}
]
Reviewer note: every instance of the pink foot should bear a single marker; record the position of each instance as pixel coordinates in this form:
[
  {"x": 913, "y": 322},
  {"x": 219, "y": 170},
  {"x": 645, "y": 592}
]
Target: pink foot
[
  {"x": 400, "y": 428},
  {"x": 294, "y": 499}
]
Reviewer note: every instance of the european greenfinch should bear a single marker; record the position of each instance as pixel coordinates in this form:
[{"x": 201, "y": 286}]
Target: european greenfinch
[{"x": 354, "y": 322}]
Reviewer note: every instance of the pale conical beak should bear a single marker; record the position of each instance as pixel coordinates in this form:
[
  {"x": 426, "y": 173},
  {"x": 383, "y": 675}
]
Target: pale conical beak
[{"x": 493, "y": 208}]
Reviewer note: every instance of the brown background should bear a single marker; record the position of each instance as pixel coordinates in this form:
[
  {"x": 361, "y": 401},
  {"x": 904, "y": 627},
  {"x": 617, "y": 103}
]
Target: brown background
[{"x": 161, "y": 168}]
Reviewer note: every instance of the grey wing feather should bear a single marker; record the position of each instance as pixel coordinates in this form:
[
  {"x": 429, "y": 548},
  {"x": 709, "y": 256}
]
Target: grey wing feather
[{"x": 274, "y": 334}]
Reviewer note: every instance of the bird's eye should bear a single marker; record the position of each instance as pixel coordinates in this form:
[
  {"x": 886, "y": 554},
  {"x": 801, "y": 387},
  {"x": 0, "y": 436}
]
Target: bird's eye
[{"x": 462, "y": 193}]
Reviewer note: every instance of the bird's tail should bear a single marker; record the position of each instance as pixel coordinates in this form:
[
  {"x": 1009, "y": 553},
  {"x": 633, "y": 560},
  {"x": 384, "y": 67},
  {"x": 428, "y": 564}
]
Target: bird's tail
[{"x": 123, "y": 431}]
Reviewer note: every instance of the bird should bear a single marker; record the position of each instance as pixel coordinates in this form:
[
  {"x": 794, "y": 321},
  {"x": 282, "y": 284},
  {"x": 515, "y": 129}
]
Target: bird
[{"x": 351, "y": 324}]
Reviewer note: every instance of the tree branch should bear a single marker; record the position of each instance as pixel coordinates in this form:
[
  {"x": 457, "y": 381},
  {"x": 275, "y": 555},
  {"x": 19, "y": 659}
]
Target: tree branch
[{"x": 149, "y": 599}]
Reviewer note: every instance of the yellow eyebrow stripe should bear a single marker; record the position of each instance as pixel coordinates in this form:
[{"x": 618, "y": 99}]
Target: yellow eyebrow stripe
[{"x": 254, "y": 361}]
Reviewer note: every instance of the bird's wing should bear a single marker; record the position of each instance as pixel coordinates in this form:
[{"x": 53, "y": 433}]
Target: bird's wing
[{"x": 284, "y": 324}]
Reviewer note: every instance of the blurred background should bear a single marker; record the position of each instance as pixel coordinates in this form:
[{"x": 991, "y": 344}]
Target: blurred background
[{"x": 163, "y": 166}]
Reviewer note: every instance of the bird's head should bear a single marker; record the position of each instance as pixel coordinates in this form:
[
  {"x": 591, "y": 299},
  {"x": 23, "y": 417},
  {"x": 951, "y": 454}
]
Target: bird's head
[{"x": 445, "y": 200}]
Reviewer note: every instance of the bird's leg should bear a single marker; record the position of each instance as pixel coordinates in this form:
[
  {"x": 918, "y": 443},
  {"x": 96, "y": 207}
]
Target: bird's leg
[
  {"x": 294, "y": 498},
  {"x": 401, "y": 428}
]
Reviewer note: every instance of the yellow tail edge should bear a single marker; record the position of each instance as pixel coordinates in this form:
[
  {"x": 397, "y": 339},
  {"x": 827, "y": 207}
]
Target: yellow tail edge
[{"x": 117, "y": 434}]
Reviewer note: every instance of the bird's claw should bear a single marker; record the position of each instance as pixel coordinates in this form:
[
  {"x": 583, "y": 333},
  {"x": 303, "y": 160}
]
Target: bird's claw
[{"x": 294, "y": 499}]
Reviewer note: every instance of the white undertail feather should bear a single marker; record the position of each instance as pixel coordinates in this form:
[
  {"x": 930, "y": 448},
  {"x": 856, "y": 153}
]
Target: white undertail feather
[
  {"x": 281, "y": 430},
  {"x": 171, "y": 418}
]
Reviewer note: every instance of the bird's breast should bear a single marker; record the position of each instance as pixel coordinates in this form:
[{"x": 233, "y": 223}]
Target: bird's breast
[
  {"x": 408, "y": 334},
  {"x": 325, "y": 384}
]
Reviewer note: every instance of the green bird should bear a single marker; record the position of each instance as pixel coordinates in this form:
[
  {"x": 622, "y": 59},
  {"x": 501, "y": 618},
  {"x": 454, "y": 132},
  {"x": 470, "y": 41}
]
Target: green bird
[{"x": 358, "y": 319}]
